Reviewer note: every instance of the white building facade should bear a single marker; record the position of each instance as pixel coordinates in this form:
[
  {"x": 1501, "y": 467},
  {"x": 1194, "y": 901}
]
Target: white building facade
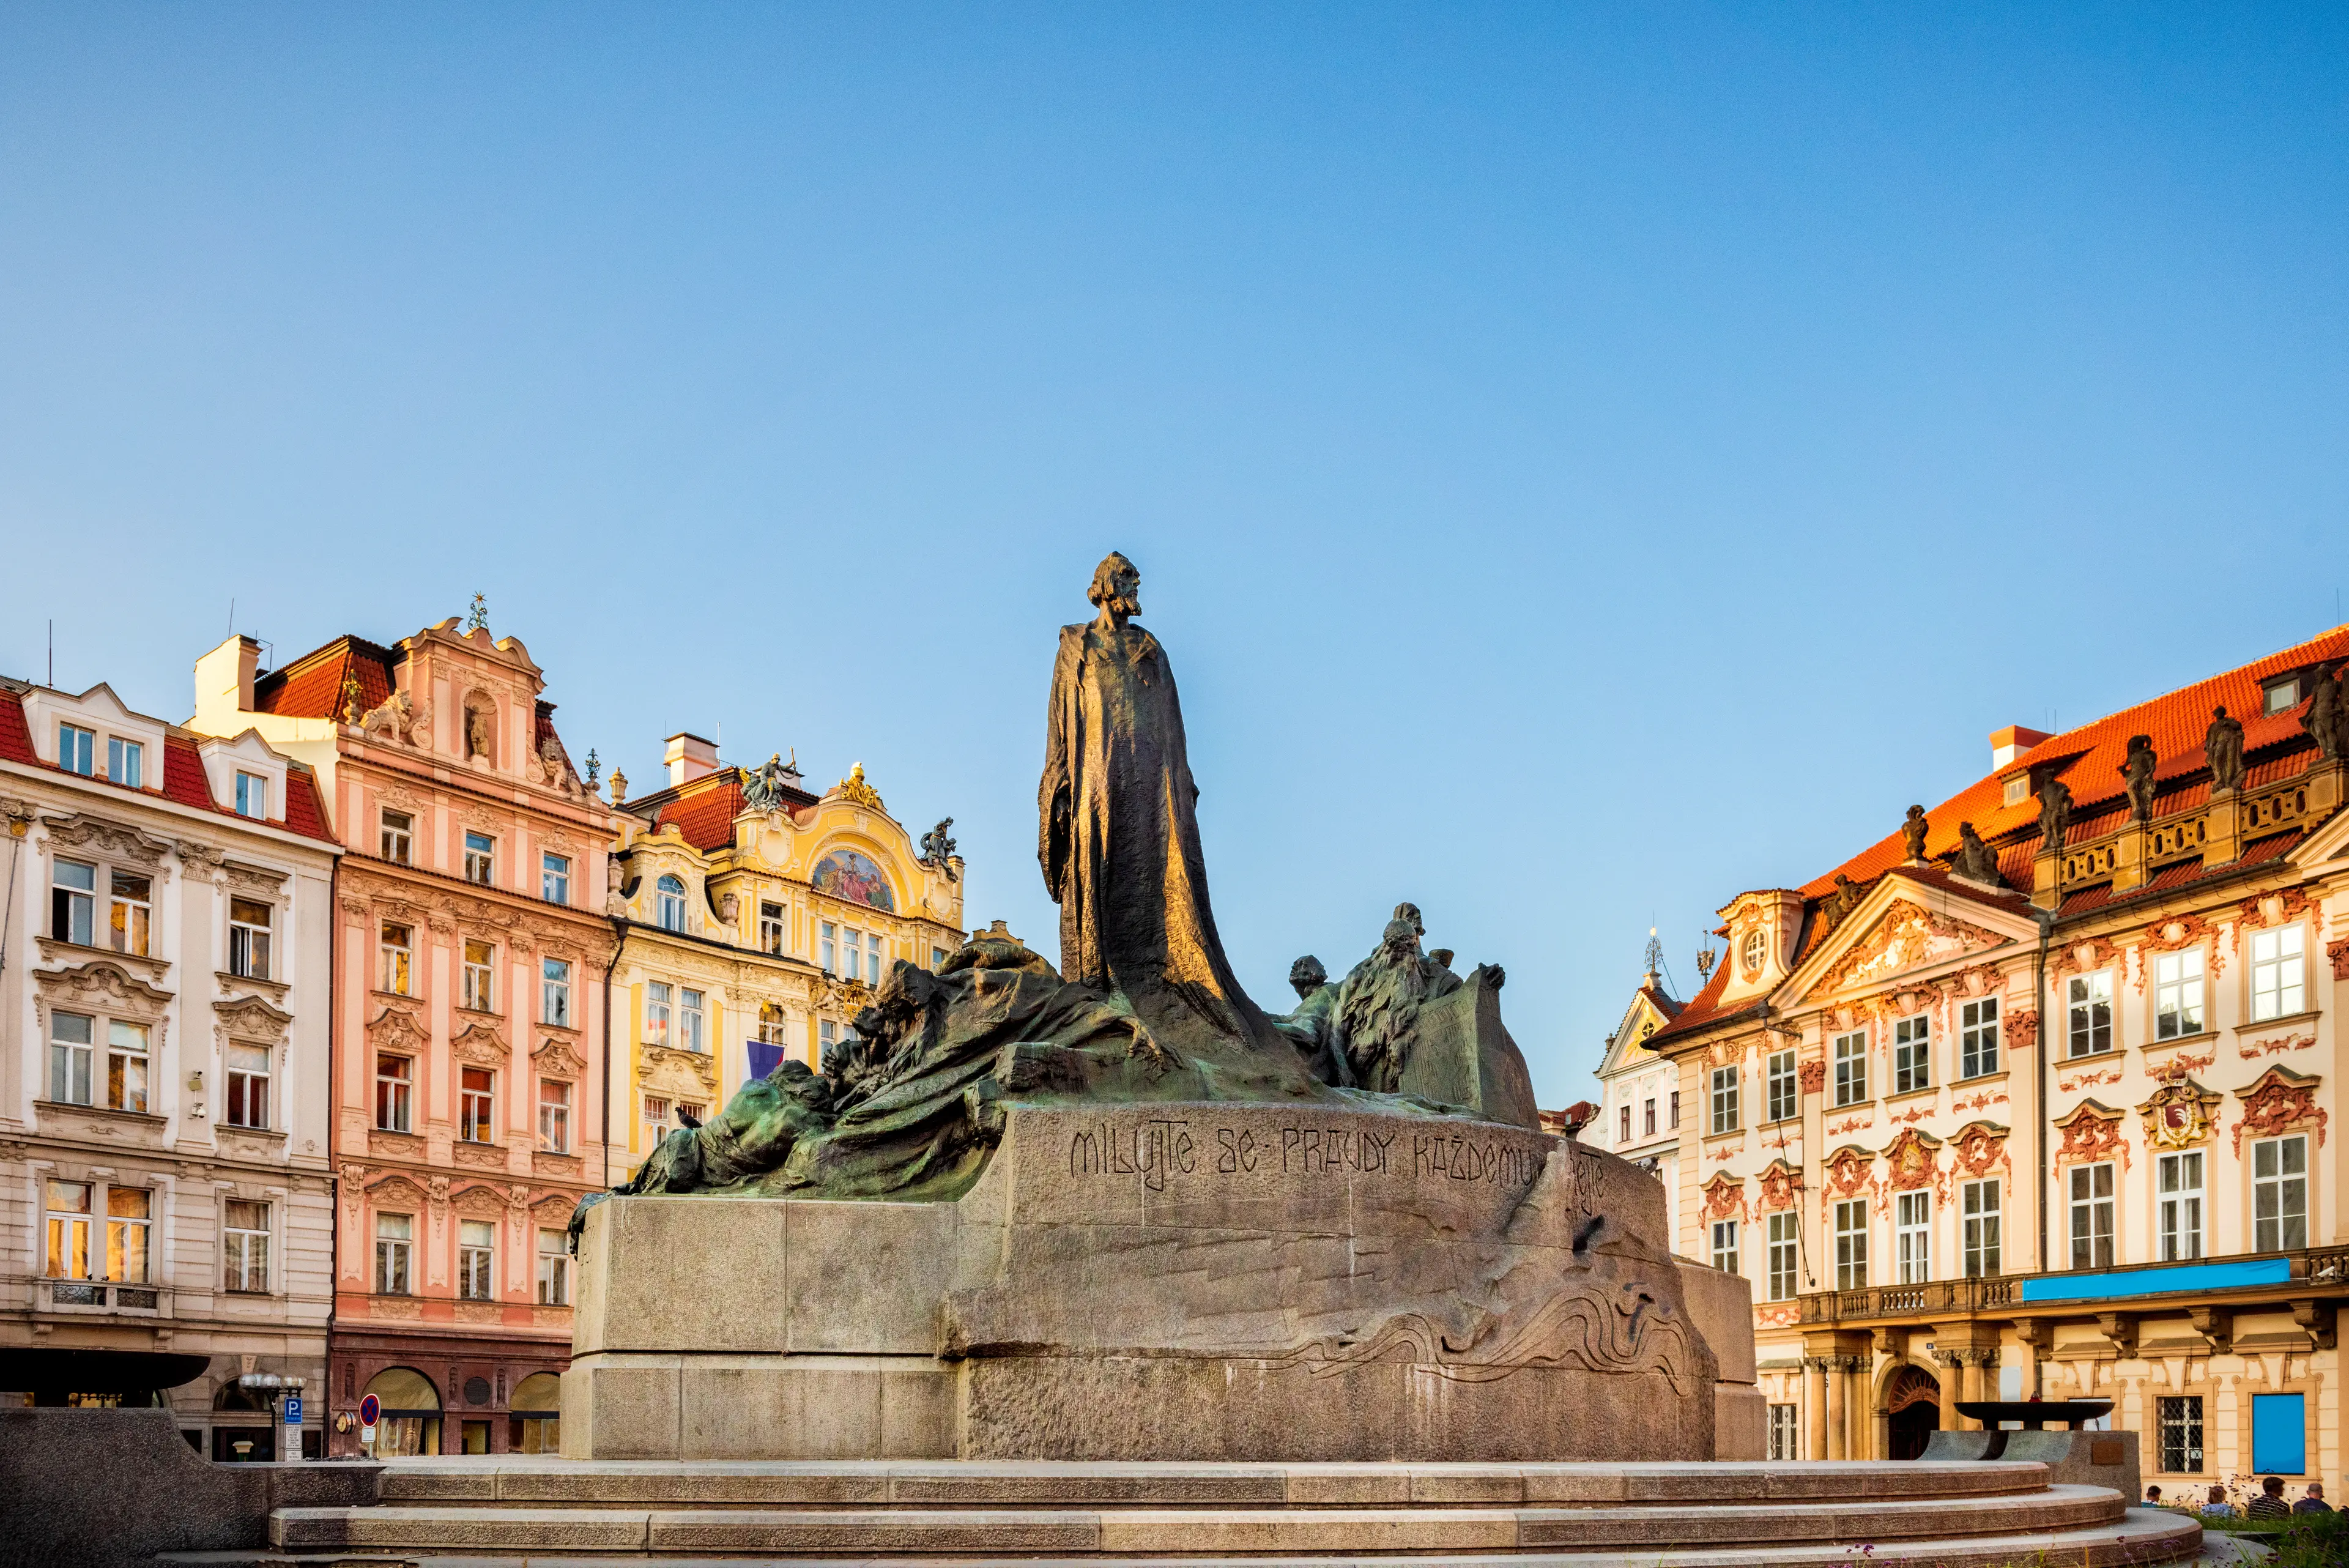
[
  {"x": 165, "y": 1183},
  {"x": 1639, "y": 1094}
]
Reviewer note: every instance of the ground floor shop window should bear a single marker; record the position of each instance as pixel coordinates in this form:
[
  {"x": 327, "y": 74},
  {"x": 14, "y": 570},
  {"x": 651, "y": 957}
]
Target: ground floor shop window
[
  {"x": 410, "y": 1422},
  {"x": 2181, "y": 1435},
  {"x": 2279, "y": 1434},
  {"x": 534, "y": 1425}
]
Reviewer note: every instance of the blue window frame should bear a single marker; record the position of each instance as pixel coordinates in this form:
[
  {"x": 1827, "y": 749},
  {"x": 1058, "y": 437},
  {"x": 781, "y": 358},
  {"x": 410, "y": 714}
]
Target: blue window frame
[{"x": 2279, "y": 1434}]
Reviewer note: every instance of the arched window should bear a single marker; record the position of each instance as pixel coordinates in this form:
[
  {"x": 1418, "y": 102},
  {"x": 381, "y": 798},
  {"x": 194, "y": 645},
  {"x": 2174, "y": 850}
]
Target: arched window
[
  {"x": 671, "y": 901},
  {"x": 535, "y": 1415},
  {"x": 411, "y": 1413}
]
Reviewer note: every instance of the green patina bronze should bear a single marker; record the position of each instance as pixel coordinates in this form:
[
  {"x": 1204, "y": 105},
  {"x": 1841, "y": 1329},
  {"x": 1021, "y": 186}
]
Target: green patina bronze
[{"x": 911, "y": 1105}]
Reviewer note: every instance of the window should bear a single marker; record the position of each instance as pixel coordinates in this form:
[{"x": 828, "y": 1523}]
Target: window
[
  {"x": 554, "y": 879},
  {"x": 553, "y": 1116},
  {"x": 126, "y": 762},
  {"x": 2092, "y": 1216},
  {"x": 244, "y": 1247},
  {"x": 395, "y": 1084},
  {"x": 74, "y": 749},
  {"x": 397, "y": 837},
  {"x": 688, "y": 1020},
  {"x": 1978, "y": 1207},
  {"x": 553, "y": 1270},
  {"x": 1623, "y": 1116},
  {"x": 480, "y": 859},
  {"x": 479, "y": 991},
  {"x": 1912, "y": 1236},
  {"x": 827, "y": 1035},
  {"x": 2181, "y": 1434},
  {"x": 248, "y": 937},
  {"x": 128, "y": 918},
  {"x": 937, "y": 957},
  {"x": 396, "y": 959},
  {"x": 129, "y": 1217},
  {"x": 252, "y": 795},
  {"x": 655, "y": 1012},
  {"x": 693, "y": 1108},
  {"x": 2280, "y": 1195},
  {"x": 1978, "y": 1037},
  {"x": 770, "y": 929},
  {"x": 1785, "y": 1434},
  {"x": 555, "y": 991},
  {"x": 656, "y": 1110},
  {"x": 73, "y": 902},
  {"x": 873, "y": 958},
  {"x": 852, "y": 948},
  {"x": 248, "y": 1086},
  {"x": 70, "y": 1041},
  {"x": 669, "y": 909},
  {"x": 2279, "y": 973},
  {"x": 2278, "y": 696},
  {"x": 1912, "y": 1067},
  {"x": 1851, "y": 1067},
  {"x": 2178, "y": 995},
  {"x": 1724, "y": 1245},
  {"x": 2178, "y": 1205},
  {"x": 1851, "y": 1244},
  {"x": 476, "y": 1105},
  {"x": 394, "y": 1233},
  {"x": 68, "y": 1224},
  {"x": 1673, "y": 1109},
  {"x": 1724, "y": 1099},
  {"x": 773, "y": 1025},
  {"x": 2090, "y": 997},
  {"x": 2279, "y": 1434},
  {"x": 477, "y": 1243},
  {"x": 824, "y": 958},
  {"x": 1782, "y": 1258},
  {"x": 1648, "y": 1117},
  {"x": 1785, "y": 1095},
  {"x": 126, "y": 1067}
]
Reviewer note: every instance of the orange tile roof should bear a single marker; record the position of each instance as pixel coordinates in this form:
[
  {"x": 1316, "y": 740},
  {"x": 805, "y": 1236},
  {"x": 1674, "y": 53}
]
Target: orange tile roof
[
  {"x": 312, "y": 686},
  {"x": 2087, "y": 759}
]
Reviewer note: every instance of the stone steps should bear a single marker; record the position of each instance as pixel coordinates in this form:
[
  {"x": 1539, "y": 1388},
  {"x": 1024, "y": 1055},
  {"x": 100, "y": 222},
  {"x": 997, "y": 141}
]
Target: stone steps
[{"x": 653, "y": 1484}]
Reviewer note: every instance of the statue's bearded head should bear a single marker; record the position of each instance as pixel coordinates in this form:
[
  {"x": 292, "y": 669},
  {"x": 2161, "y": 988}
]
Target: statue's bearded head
[
  {"x": 1117, "y": 588},
  {"x": 1308, "y": 975}
]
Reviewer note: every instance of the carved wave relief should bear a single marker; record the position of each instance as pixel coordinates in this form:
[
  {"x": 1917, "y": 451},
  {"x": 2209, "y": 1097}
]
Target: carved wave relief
[{"x": 1625, "y": 1330}]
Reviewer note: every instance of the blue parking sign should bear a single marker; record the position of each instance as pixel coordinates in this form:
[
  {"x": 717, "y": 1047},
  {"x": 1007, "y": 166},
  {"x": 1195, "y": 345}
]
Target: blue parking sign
[{"x": 293, "y": 1410}]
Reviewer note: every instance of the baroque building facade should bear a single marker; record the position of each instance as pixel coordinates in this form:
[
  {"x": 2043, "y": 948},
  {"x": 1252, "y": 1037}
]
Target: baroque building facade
[
  {"x": 165, "y": 971},
  {"x": 469, "y": 1094},
  {"x": 2033, "y": 1097},
  {"x": 754, "y": 918},
  {"x": 1638, "y": 1112}
]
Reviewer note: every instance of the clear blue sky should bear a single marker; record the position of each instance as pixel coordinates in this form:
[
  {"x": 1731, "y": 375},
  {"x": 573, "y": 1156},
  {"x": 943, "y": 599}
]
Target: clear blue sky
[{"x": 1583, "y": 460}]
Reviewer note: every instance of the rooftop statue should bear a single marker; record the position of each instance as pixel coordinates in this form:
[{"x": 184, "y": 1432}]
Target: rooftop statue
[{"x": 1144, "y": 1006}]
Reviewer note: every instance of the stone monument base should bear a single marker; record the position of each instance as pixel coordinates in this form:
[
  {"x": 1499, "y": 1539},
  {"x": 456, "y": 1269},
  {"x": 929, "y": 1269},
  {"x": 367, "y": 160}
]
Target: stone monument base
[
  {"x": 504, "y": 1508},
  {"x": 1204, "y": 1282}
]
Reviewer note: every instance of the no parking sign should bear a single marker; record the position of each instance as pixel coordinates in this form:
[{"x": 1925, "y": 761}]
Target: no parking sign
[{"x": 369, "y": 1408}]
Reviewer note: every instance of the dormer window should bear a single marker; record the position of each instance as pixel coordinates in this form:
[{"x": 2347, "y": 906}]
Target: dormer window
[
  {"x": 670, "y": 905},
  {"x": 252, "y": 795},
  {"x": 125, "y": 762},
  {"x": 2279, "y": 695},
  {"x": 76, "y": 749},
  {"x": 1751, "y": 952},
  {"x": 2018, "y": 789}
]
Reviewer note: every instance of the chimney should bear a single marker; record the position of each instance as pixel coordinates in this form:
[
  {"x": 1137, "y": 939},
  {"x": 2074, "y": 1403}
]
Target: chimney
[
  {"x": 689, "y": 757},
  {"x": 2011, "y": 742},
  {"x": 224, "y": 685}
]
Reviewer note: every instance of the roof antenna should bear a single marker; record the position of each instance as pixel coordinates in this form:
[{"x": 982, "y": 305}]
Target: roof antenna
[
  {"x": 232, "y": 616},
  {"x": 52, "y": 680}
]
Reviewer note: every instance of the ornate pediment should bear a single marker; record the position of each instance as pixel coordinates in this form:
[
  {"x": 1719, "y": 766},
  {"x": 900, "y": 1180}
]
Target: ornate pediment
[
  {"x": 1904, "y": 937},
  {"x": 481, "y": 1044},
  {"x": 1911, "y": 1157},
  {"x": 2280, "y": 1100},
  {"x": 554, "y": 1058},
  {"x": 115, "y": 840},
  {"x": 252, "y": 1018},
  {"x": 1781, "y": 1182},
  {"x": 397, "y": 1029},
  {"x": 480, "y": 1202},
  {"x": 104, "y": 985},
  {"x": 395, "y": 1189}
]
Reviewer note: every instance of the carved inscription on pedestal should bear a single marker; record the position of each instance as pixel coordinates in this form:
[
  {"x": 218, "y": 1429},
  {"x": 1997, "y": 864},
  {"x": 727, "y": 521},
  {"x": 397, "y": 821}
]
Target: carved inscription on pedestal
[{"x": 1161, "y": 1147}]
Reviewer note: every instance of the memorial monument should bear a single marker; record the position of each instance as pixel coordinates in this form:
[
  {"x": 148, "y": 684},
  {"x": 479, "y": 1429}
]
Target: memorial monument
[{"x": 1116, "y": 1210}]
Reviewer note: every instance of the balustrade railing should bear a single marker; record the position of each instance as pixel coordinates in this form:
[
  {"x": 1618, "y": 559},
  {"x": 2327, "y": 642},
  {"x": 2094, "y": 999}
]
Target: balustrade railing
[{"x": 1991, "y": 1293}]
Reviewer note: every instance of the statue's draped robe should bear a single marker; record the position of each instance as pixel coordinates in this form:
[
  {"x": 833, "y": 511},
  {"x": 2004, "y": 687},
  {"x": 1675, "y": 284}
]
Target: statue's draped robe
[{"x": 1119, "y": 842}]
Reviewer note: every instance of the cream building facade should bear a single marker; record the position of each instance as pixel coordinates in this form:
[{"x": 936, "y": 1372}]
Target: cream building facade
[
  {"x": 1639, "y": 1091},
  {"x": 755, "y": 917},
  {"x": 2034, "y": 1096},
  {"x": 165, "y": 1168}
]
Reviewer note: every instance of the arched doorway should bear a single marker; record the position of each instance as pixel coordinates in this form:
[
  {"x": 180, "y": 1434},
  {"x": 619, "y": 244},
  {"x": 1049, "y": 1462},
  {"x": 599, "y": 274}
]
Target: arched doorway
[
  {"x": 1913, "y": 1400},
  {"x": 242, "y": 1424},
  {"x": 411, "y": 1413},
  {"x": 535, "y": 1414}
]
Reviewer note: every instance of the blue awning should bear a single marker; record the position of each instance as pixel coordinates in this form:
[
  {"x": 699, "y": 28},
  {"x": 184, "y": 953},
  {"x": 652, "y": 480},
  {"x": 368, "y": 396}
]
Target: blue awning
[{"x": 2181, "y": 1279}]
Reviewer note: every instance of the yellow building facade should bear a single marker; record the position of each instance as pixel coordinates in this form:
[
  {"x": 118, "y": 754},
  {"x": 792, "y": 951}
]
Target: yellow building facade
[{"x": 755, "y": 917}]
